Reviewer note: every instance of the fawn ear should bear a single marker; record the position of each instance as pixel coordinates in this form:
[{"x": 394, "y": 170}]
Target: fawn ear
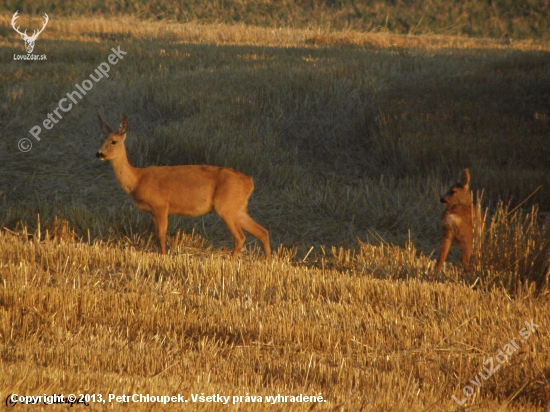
[
  {"x": 123, "y": 125},
  {"x": 465, "y": 179},
  {"x": 104, "y": 126}
]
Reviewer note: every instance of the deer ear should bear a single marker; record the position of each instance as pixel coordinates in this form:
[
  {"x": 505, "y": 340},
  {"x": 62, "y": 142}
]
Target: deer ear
[
  {"x": 123, "y": 125},
  {"x": 104, "y": 126},
  {"x": 465, "y": 180}
]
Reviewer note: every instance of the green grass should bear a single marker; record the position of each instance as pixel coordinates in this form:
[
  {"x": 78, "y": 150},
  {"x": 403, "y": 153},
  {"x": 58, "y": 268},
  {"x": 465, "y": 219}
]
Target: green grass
[{"x": 342, "y": 139}]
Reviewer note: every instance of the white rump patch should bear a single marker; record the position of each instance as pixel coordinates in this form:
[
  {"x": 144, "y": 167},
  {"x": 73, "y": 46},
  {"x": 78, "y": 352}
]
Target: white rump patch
[{"x": 453, "y": 219}]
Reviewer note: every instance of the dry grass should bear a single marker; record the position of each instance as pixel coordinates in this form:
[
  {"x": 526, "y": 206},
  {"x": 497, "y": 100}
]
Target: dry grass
[
  {"x": 351, "y": 138},
  {"x": 114, "y": 319},
  {"x": 497, "y": 19},
  {"x": 103, "y": 28}
]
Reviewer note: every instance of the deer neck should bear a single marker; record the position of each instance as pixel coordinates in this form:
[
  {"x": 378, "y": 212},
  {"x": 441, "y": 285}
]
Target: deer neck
[{"x": 126, "y": 174}]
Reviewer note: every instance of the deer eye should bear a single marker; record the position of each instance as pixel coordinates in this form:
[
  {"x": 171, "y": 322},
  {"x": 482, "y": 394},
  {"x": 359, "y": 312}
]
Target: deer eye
[{"x": 113, "y": 142}]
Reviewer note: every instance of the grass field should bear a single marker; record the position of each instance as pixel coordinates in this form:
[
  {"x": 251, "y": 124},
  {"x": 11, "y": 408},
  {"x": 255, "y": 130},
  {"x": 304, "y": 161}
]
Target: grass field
[
  {"x": 351, "y": 138},
  {"x": 515, "y": 19}
]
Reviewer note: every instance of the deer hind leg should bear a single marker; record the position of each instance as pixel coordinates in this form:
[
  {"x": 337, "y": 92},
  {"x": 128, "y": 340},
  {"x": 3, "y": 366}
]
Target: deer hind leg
[
  {"x": 237, "y": 233},
  {"x": 258, "y": 231},
  {"x": 465, "y": 246},
  {"x": 444, "y": 248},
  {"x": 160, "y": 219}
]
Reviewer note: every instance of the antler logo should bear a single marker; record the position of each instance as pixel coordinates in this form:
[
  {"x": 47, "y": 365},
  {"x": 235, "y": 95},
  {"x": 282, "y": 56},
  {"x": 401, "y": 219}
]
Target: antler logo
[{"x": 29, "y": 40}]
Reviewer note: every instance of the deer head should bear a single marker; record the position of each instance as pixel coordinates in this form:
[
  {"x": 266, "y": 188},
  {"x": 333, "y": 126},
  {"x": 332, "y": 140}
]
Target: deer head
[
  {"x": 29, "y": 40},
  {"x": 459, "y": 193},
  {"x": 113, "y": 146}
]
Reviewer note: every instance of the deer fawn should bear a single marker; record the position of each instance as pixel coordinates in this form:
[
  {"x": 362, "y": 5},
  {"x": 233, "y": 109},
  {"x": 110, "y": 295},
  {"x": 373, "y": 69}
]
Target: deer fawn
[
  {"x": 457, "y": 222},
  {"x": 190, "y": 190}
]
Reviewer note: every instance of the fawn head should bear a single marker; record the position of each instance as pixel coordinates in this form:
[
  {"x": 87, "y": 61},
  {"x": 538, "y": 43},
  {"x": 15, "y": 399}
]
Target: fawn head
[
  {"x": 459, "y": 193},
  {"x": 113, "y": 146}
]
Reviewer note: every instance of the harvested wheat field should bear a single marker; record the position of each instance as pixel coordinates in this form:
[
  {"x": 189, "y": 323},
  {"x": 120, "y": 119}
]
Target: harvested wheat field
[{"x": 351, "y": 136}]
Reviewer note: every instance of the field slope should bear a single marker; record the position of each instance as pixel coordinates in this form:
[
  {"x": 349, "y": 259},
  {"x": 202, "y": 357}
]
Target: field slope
[{"x": 351, "y": 138}]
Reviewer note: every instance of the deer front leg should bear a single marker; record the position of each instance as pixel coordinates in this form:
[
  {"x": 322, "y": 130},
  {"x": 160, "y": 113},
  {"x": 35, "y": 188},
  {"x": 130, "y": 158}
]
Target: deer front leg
[
  {"x": 444, "y": 248},
  {"x": 160, "y": 218}
]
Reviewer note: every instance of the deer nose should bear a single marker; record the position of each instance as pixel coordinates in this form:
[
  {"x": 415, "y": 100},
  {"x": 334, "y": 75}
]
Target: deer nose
[
  {"x": 442, "y": 200},
  {"x": 99, "y": 155}
]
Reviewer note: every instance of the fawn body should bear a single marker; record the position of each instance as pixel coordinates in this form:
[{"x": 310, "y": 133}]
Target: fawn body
[
  {"x": 457, "y": 222},
  {"x": 189, "y": 190}
]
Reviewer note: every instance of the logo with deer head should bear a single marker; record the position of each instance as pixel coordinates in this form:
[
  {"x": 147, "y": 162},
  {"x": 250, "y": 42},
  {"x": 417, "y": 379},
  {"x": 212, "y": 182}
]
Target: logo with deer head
[{"x": 29, "y": 40}]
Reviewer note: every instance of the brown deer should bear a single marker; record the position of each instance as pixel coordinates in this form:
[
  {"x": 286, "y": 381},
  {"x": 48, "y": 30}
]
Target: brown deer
[
  {"x": 457, "y": 222},
  {"x": 191, "y": 190}
]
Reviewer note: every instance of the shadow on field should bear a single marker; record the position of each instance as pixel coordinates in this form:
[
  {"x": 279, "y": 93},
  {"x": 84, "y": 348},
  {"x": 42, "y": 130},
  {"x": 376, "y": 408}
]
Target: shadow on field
[{"x": 341, "y": 140}]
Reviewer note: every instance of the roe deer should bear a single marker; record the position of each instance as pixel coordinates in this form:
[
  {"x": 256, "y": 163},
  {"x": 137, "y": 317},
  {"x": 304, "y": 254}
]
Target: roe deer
[
  {"x": 191, "y": 190},
  {"x": 457, "y": 222}
]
